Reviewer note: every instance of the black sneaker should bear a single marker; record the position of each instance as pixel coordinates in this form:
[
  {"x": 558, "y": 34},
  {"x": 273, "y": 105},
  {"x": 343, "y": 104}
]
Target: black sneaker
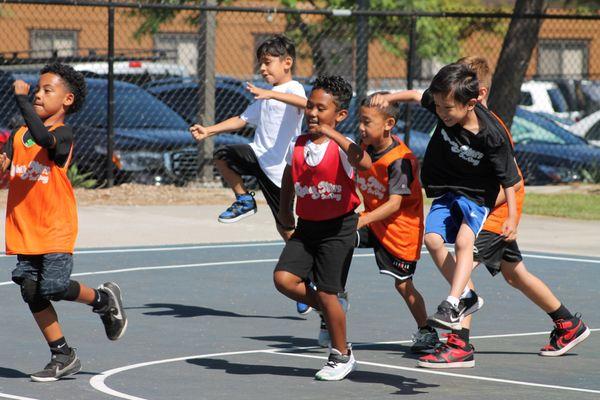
[
  {"x": 446, "y": 317},
  {"x": 424, "y": 341},
  {"x": 113, "y": 316},
  {"x": 60, "y": 365},
  {"x": 468, "y": 305}
]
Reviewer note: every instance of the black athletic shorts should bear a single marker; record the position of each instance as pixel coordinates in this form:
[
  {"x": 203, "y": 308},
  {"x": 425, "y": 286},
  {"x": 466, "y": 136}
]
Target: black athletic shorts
[
  {"x": 51, "y": 271},
  {"x": 491, "y": 248},
  {"x": 242, "y": 159},
  {"x": 321, "y": 251},
  {"x": 388, "y": 263}
]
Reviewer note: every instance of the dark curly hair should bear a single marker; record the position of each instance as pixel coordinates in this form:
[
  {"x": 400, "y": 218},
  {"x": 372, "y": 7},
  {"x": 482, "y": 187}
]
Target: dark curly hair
[
  {"x": 74, "y": 80},
  {"x": 336, "y": 86}
]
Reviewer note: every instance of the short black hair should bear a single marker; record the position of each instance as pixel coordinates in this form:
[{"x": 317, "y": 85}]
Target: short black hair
[
  {"x": 391, "y": 111},
  {"x": 336, "y": 86},
  {"x": 277, "y": 46},
  {"x": 457, "y": 80},
  {"x": 74, "y": 80}
]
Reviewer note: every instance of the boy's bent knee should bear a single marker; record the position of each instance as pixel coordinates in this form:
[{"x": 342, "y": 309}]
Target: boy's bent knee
[
  {"x": 433, "y": 241},
  {"x": 285, "y": 280},
  {"x": 29, "y": 292}
]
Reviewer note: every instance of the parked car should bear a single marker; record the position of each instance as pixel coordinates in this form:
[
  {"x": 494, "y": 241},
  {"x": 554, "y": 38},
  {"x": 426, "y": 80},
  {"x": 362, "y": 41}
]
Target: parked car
[
  {"x": 545, "y": 97},
  {"x": 152, "y": 143},
  {"x": 588, "y": 128}
]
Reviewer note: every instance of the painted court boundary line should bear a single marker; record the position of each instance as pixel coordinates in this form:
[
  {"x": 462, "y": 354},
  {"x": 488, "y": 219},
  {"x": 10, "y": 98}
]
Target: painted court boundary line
[
  {"x": 98, "y": 381},
  {"x": 10, "y": 396},
  {"x": 276, "y": 243}
]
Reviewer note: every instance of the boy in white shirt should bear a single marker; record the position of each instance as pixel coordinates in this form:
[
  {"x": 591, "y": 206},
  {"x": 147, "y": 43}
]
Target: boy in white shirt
[{"x": 277, "y": 115}]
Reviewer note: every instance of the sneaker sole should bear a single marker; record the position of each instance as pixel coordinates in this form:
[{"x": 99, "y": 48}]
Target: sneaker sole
[
  {"x": 120, "y": 307},
  {"x": 436, "y": 323},
  {"x": 462, "y": 364},
  {"x": 568, "y": 347},
  {"x": 336, "y": 378},
  {"x": 305, "y": 312},
  {"x": 72, "y": 369},
  {"x": 238, "y": 218},
  {"x": 474, "y": 308}
]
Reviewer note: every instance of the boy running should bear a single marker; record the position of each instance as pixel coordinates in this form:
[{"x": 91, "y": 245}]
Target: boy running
[
  {"x": 320, "y": 172},
  {"x": 392, "y": 224},
  {"x": 499, "y": 255},
  {"x": 277, "y": 115},
  {"x": 467, "y": 161},
  {"x": 41, "y": 216}
]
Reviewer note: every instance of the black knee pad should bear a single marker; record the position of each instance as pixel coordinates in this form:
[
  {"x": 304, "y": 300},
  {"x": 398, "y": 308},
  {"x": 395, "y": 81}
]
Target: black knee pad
[
  {"x": 29, "y": 291},
  {"x": 71, "y": 293}
]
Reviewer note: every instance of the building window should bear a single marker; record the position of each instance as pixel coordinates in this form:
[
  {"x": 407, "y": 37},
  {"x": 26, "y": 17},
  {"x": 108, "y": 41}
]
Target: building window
[
  {"x": 45, "y": 42},
  {"x": 563, "y": 59},
  {"x": 181, "y": 48}
]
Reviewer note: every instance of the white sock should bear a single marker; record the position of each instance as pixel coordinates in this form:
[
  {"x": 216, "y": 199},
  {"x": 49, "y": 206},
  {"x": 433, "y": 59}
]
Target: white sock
[
  {"x": 466, "y": 293},
  {"x": 452, "y": 300}
]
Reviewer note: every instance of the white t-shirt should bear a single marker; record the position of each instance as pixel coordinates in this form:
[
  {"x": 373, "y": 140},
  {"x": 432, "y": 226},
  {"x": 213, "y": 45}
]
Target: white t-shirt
[
  {"x": 314, "y": 153},
  {"x": 277, "y": 123}
]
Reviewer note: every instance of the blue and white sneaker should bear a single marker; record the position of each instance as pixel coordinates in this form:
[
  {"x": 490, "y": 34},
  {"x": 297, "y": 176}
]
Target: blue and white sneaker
[
  {"x": 243, "y": 206},
  {"x": 302, "y": 308}
]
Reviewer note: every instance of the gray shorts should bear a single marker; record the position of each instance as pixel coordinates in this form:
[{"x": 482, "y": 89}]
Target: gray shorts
[{"x": 51, "y": 271}]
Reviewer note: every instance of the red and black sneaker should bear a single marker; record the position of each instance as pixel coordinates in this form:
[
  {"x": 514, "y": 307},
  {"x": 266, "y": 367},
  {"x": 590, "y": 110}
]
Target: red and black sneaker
[
  {"x": 567, "y": 334},
  {"x": 455, "y": 353}
]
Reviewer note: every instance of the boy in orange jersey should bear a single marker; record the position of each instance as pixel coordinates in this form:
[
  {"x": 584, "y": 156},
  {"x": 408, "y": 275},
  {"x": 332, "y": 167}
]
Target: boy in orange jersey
[
  {"x": 499, "y": 255},
  {"x": 41, "y": 216},
  {"x": 392, "y": 223}
]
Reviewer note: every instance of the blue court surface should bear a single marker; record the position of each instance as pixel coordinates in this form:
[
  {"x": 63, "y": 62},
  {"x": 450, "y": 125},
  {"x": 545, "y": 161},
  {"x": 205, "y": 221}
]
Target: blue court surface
[{"x": 205, "y": 322}]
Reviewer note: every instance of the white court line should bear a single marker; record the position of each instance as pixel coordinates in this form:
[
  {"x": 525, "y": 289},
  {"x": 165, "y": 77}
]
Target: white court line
[
  {"x": 163, "y": 248},
  {"x": 10, "y": 396},
  {"x": 98, "y": 381}
]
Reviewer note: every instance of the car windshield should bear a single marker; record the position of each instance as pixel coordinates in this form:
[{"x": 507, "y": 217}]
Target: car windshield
[
  {"x": 524, "y": 131},
  {"x": 134, "y": 108}
]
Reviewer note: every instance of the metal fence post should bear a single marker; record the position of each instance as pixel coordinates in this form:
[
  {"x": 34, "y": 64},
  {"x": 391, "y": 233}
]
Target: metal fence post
[
  {"x": 206, "y": 89},
  {"x": 410, "y": 71},
  {"x": 110, "y": 115},
  {"x": 362, "y": 52}
]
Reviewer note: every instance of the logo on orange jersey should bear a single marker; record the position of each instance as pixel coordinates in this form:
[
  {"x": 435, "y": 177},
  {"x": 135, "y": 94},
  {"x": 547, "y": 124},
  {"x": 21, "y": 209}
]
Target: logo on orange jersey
[
  {"x": 372, "y": 186},
  {"x": 32, "y": 172}
]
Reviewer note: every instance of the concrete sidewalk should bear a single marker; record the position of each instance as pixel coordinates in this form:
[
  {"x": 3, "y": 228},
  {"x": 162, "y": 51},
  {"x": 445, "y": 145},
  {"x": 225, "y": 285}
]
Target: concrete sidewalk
[{"x": 118, "y": 226}]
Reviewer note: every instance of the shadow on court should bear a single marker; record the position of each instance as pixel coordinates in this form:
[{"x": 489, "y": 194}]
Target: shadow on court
[
  {"x": 185, "y": 311},
  {"x": 403, "y": 385}
]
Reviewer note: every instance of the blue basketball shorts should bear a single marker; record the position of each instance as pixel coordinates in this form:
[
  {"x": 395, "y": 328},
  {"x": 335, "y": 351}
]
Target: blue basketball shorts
[{"x": 449, "y": 211}]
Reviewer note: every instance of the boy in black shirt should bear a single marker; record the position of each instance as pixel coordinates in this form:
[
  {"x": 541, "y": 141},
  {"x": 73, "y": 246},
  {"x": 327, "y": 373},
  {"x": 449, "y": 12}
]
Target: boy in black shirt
[{"x": 467, "y": 160}]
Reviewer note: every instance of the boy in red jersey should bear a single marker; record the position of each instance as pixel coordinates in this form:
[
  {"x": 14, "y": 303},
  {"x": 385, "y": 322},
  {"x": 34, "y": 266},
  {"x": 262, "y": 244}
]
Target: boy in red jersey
[{"x": 320, "y": 170}]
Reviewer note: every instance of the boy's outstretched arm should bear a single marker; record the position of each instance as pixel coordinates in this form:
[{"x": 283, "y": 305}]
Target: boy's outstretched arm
[
  {"x": 382, "y": 212},
  {"x": 265, "y": 94},
  {"x": 200, "y": 132},
  {"x": 40, "y": 133},
  {"x": 286, "y": 201},
  {"x": 384, "y": 100},
  {"x": 357, "y": 157}
]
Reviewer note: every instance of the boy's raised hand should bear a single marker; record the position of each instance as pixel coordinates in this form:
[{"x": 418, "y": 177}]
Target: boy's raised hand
[
  {"x": 380, "y": 101},
  {"x": 4, "y": 162},
  {"x": 199, "y": 132},
  {"x": 259, "y": 93},
  {"x": 21, "y": 87}
]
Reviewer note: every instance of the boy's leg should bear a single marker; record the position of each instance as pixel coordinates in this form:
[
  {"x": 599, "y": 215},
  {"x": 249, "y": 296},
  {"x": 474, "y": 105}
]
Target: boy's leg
[
  {"x": 570, "y": 330},
  {"x": 295, "y": 288},
  {"x": 335, "y": 317},
  {"x": 233, "y": 161}
]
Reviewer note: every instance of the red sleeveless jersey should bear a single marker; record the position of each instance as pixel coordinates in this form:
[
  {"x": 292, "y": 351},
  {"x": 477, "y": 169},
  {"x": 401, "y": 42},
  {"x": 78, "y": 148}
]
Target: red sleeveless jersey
[
  {"x": 324, "y": 191},
  {"x": 41, "y": 212},
  {"x": 402, "y": 232}
]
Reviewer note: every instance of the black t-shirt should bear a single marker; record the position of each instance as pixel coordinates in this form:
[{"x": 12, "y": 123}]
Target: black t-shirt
[
  {"x": 474, "y": 165},
  {"x": 40, "y": 134},
  {"x": 400, "y": 175}
]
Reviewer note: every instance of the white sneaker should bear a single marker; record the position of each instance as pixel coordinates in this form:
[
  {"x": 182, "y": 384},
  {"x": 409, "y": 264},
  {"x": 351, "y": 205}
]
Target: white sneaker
[
  {"x": 338, "y": 366},
  {"x": 324, "y": 339}
]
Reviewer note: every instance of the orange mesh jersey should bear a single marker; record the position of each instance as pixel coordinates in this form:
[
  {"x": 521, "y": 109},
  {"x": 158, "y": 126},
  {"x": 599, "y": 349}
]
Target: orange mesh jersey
[
  {"x": 41, "y": 212},
  {"x": 401, "y": 233},
  {"x": 499, "y": 214}
]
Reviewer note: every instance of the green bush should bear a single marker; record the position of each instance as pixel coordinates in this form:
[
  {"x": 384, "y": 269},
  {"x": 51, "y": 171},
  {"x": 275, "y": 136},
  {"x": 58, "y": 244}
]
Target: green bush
[{"x": 80, "y": 179}]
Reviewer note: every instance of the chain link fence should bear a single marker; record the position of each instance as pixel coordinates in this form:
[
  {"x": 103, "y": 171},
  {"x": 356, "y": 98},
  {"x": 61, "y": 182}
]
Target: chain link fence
[{"x": 153, "y": 69}]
